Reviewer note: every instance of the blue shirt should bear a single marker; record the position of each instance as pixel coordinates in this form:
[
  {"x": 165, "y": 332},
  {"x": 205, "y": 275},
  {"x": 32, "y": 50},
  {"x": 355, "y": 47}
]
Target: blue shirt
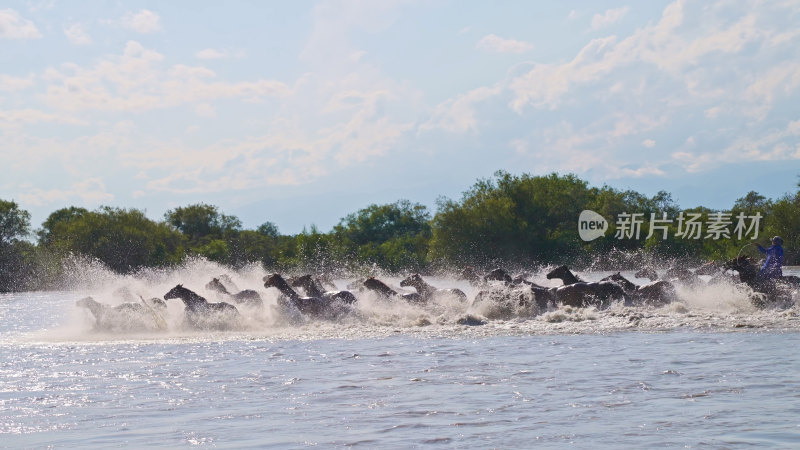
[{"x": 772, "y": 266}]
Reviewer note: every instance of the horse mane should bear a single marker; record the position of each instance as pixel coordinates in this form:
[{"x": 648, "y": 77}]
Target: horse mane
[
  {"x": 417, "y": 282},
  {"x": 279, "y": 283},
  {"x": 97, "y": 309},
  {"x": 312, "y": 287},
  {"x": 378, "y": 285}
]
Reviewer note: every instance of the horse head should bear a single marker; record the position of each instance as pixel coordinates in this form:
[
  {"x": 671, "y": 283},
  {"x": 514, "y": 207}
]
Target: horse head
[
  {"x": 680, "y": 273},
  {"x": 741, "y": 262},
  {"x": 86, "y": 302},
  {"x": 709, "y": 268},
  {"x": 623, "y": 282},
  {"x": 414, "y": 279},
  {"x": 177, "y": 292},
  {"x": 469, "y": 274},
  {"x": 647, "y": 272},
  {"x": 216, "y": 285},
  {"x": 274, "y": 280},
  {"x": 302, "y": 281},
  {"x": 559, "y": 272},
  {"x": 499, "y": 275},
  {"x": 375, "y": 284}
]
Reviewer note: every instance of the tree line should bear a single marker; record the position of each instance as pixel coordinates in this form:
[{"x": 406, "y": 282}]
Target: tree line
[{"x": 511, "y": 220}]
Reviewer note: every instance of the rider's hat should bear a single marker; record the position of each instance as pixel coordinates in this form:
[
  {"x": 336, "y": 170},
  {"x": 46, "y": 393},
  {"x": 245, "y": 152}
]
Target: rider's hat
[{"x": 777, "y": 240}]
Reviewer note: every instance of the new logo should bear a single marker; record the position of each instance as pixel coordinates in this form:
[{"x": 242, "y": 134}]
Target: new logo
[{"x": 591, "y": 225}]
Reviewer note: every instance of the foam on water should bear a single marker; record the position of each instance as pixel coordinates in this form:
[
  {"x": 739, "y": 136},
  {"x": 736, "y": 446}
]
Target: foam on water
[
  {"x": 397, "y": 375},
  {"x": 725, "y": 306}
]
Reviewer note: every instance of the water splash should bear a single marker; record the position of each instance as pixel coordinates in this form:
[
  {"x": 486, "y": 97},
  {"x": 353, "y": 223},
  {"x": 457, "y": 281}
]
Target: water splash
[{"x": 724, "y": 304}]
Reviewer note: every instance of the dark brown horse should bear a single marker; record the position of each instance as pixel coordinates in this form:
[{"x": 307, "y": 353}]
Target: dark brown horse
[
  {"x": 646, "y": 272},
  {"x": 774, "y": 290},
  {"x": 427, "y": 292},
  {"x": 599, "y": 294},
  {"x": 247, "y": 297},
  {"x": 318, "y": 307},
  {"x": 382, "y": 289},
  {"x": 202, "y": 314},
  {"x": 313, "y": 288},
  {"x": 576, "y": 292},
  {"x": 657, "y": 292},
  {"x": 565, "y": 275}
]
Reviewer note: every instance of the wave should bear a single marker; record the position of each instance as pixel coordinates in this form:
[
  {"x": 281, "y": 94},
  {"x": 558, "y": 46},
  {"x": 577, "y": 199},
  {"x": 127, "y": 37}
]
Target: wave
[{"x": 701, "y": 306}]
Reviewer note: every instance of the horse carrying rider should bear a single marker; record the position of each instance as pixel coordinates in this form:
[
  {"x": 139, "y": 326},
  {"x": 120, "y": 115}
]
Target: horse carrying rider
[{"x": 772, "y": 266}]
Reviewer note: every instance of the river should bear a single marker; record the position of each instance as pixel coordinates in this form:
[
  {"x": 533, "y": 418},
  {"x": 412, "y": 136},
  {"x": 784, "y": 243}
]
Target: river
[{"x": 708, "y": 370}]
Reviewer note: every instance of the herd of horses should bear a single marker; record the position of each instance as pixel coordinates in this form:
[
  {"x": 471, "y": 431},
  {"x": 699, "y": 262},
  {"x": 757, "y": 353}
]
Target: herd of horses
[{"x": 315, "y": 298}]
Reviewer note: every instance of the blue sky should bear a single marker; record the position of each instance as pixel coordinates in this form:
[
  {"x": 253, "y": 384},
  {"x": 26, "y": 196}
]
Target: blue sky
[{"x": 301, "y": 112}]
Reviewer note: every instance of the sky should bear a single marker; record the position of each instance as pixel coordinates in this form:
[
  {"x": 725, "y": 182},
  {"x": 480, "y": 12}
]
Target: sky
[{"x": 299, "y": 113}]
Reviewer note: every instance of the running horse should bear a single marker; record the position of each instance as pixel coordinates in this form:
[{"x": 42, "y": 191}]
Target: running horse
[
  {"x": 313, "y": 288},
  {"x": 127, "y": 316},
  {"x": 427, "y": 292},
  {"x": 202, "y": 314},
  {"x": 320, "y": 307},
  {"x": 247, "y": 297},
  {"x": 579, "y": 293}
]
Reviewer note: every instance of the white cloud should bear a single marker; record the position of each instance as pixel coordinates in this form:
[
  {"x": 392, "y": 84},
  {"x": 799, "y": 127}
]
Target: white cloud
[
  {"x": 289, "y": 152},
  {"x": 649, "y": 143},
  {"x": 184, "y": 72},
  {"x": 205, "y": 110},
  {"x": 32, "y": 116},
  {"x": 778, "y": 82},
  {"x": 44, "y": 5},
  {"x": 14, "y": 26},
  {"x": 459, "y": 115},
  {"x": 210, "y": 53},
  {"x": 144, "y": 21},
  {"x": 328, "y": 45},
  {"x": 77, "y": 34},
  {"x": 660, "y": 47},
  {"x": 9, "y": 83},
  {"x": 783, "y": 38},
  {"x": 776, "y": 145},
  {"x": 494, "y": 43},
  {"x": 561, "y": 149},
  {"x": 137, "y": 81},
  {"x": 91, "y": 191},
  {"x": 214, "y": 53},
  {"x": 610, "y": 17},
  {"x": 713, "y": 112},
  {"x": 545, "y": 84}
]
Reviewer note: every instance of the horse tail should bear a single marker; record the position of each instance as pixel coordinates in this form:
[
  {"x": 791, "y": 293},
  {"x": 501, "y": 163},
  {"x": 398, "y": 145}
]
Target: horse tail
[{"x": 160, "y": 322}]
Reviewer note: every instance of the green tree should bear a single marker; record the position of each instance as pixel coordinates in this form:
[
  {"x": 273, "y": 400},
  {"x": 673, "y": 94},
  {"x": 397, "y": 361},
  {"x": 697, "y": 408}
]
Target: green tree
[
  {"x": 394, "y": 236},
  {"x": 201, "y": 222},
  {"x": 268, "y": 229},
  {"x": 124, "y": 239},
  {"x": 15, "y": 223},
  {"x": 57, "y": 222},
  {"x": 260, "y": 245},
  {"x": 784, "y": 221},
  {"x": 14, "y": 227},
  {"x": 208, "y": 232},
  {"x": 751, "y": 203},
  {"x": 520, "y": 219}
]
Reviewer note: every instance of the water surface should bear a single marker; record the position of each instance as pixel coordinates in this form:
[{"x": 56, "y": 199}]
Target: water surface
[{"x": 708, "y": 371}]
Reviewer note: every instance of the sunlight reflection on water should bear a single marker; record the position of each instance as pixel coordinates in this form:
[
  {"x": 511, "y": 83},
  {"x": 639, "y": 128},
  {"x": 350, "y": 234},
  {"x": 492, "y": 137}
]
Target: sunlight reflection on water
[{"x": 706, "y": 373}]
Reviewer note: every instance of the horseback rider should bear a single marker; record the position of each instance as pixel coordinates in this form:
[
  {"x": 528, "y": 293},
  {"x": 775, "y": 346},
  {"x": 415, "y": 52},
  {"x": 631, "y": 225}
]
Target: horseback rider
[{"x": 772, "y": 266}]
